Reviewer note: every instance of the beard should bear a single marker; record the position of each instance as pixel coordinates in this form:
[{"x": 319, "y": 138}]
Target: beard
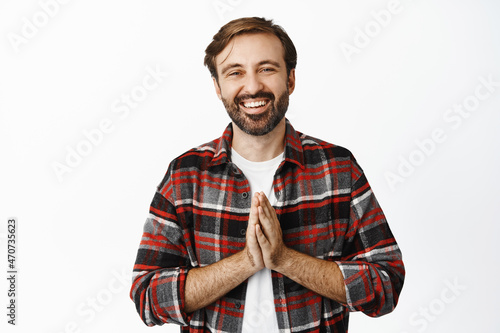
[{"x": 258, "y": 124}]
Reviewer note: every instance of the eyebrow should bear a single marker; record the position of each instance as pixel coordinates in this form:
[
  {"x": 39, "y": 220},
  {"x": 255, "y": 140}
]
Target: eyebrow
[
  {"x": 230, "y": 66},
  {"x": 236, "y": 65},
  {"x": 269, "y": 62}
]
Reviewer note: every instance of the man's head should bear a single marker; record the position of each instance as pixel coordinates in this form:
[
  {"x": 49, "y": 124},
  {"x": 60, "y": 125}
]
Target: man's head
[{"x": 252, "y": 62}]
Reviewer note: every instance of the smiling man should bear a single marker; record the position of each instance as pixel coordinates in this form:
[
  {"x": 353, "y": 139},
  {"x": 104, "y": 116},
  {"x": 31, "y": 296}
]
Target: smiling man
[{"x": 264, "y": 229}]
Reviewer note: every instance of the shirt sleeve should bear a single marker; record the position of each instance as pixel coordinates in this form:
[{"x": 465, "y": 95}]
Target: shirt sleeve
[
  {"x": 161, "y": 267},
  {"x": 372, "y": 263}
]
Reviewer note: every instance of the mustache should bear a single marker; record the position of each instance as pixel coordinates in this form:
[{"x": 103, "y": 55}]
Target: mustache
[{"x": 260, "y": 94}]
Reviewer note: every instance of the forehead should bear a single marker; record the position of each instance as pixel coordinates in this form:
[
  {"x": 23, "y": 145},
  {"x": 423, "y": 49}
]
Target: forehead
[{"x": 251, "y": 48}]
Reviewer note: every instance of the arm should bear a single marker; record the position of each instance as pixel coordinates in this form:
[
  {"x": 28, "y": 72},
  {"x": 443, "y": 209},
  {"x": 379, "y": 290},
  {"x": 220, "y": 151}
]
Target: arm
[
  {"x": 368, "y": 279},
  {"x": 371, "y": 262},
  {"x": 207, "y": 284},
  {"x": 161, "y": 267},
  {"x": 165, "y": 287},
  {"x": 321, "y": 276}
]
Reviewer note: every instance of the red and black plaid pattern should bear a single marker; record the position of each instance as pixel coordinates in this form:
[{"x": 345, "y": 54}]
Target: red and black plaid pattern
[{"x": 326, "y": 209}]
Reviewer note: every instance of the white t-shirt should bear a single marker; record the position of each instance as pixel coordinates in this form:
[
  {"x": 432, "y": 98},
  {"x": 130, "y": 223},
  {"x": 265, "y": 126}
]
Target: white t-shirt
[{"x": 259, "y": 314}]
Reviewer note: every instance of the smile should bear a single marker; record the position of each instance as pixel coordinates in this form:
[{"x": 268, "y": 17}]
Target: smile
[{"x": 255, "y": 106}]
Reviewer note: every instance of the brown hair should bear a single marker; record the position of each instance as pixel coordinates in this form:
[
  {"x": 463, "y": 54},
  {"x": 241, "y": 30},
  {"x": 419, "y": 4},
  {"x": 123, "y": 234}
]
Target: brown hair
[{"x": 248, "y": 25}]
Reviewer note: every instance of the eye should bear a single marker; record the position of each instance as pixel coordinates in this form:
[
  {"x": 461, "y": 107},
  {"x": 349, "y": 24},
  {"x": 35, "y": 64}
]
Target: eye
[
  {"x": 267, "y": 70},
  {"x": 236, "y": 73}
]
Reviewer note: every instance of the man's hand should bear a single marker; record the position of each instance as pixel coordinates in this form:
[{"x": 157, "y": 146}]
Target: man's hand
[
  {"x": 269, "y": 234},
  {"x": 321, "y": 276},
  {"x": 252, "y": 248},
  {"x": 264, "y": 248},
  {"x": 205, "y": 285}
]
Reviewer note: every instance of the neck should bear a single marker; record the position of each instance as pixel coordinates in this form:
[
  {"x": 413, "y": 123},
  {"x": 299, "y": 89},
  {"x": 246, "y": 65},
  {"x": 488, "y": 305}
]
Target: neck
[{"x": 260, "y": 148}]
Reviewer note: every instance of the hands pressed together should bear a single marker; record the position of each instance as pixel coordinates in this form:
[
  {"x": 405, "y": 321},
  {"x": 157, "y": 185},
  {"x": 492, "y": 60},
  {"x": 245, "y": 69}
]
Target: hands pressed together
[{"x": 265, "y": 247}]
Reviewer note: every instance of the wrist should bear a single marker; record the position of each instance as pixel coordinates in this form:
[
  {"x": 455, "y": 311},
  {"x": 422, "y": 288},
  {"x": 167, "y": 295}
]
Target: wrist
[
  {"x": 284, "y": 260},
  {"x": 247, "y": 263}
]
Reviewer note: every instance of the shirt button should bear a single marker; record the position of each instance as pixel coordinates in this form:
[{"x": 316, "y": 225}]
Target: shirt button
[
  {"x": 237, "y": 305},
  {"x": 243, "y": 232},
  {"x": 244, "y": 195},
  {"x": 278, "y": 194}
]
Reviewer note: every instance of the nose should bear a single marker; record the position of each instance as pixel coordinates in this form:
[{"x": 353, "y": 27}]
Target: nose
[{"x": 253, "y": 84}]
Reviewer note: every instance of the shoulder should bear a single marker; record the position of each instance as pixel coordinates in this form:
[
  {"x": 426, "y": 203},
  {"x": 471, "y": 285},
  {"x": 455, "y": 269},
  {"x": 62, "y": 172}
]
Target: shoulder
[
  {"x": 322, "y": 155},
  {"x": 198, "y": 157},
  {"x": 313, "y": 146},
  {"x": 191, "y": 163}
]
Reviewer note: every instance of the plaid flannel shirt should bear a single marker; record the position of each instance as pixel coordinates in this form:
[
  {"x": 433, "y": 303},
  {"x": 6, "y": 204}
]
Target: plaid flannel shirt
[{"x": 326, "y": 209}]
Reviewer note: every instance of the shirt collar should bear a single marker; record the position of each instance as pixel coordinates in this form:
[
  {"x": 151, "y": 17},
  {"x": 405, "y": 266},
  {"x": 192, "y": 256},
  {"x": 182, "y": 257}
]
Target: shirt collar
[{"x": 293, "y": 146}]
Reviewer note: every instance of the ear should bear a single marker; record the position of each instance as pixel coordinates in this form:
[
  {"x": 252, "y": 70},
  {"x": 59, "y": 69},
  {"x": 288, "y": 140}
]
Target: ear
[
  {"x": 291, "y": 81},
  {"x": 217, "y": 88}
]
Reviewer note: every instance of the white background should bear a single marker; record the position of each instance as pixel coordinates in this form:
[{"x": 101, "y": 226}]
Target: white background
[{"x": 78, "y": 235}]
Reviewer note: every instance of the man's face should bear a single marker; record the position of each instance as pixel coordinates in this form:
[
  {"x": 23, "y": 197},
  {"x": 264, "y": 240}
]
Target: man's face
[{"x": 253, "y": 83}]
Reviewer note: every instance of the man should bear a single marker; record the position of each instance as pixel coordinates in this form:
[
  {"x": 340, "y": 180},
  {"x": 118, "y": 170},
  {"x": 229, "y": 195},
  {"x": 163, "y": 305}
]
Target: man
[{"x": 264, "y": 229}]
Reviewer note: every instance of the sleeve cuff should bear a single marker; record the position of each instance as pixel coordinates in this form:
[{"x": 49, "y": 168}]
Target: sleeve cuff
[{"x": 167, "y": 296}]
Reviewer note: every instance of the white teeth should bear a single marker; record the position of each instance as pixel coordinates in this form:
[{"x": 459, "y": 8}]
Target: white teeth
[{"x": 254, "y": 104}]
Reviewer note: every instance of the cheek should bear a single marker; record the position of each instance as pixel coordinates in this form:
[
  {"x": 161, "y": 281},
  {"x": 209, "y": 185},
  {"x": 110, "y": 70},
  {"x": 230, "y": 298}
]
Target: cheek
[
  {"x": 227, "y": 92},
  {"x": 278, "y": 85}
]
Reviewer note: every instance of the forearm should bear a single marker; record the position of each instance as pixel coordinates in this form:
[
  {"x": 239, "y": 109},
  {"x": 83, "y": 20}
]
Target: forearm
[
  {"x": 321, "y": 276},
  {"x": 205, "y": 285}
]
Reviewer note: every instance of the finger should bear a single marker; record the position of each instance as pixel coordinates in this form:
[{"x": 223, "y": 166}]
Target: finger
[
  {"x": 266, "y": 225},
  {"x": 270, "y": 223},
  {"x": 266, "y": 203},
  {"x": 255, "y": 199},
  {"x": 261, "y": 238},
  {"x": 254, "y": 218},
  {"x": 264, "y": 218},
  {"x": 252, "y": 238},
  {"x": 252, "y": 241},
  {"x": 253, "y": 249},
  {"x": 269, "y": 214},
  {"x": 266, "y": 211}
]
